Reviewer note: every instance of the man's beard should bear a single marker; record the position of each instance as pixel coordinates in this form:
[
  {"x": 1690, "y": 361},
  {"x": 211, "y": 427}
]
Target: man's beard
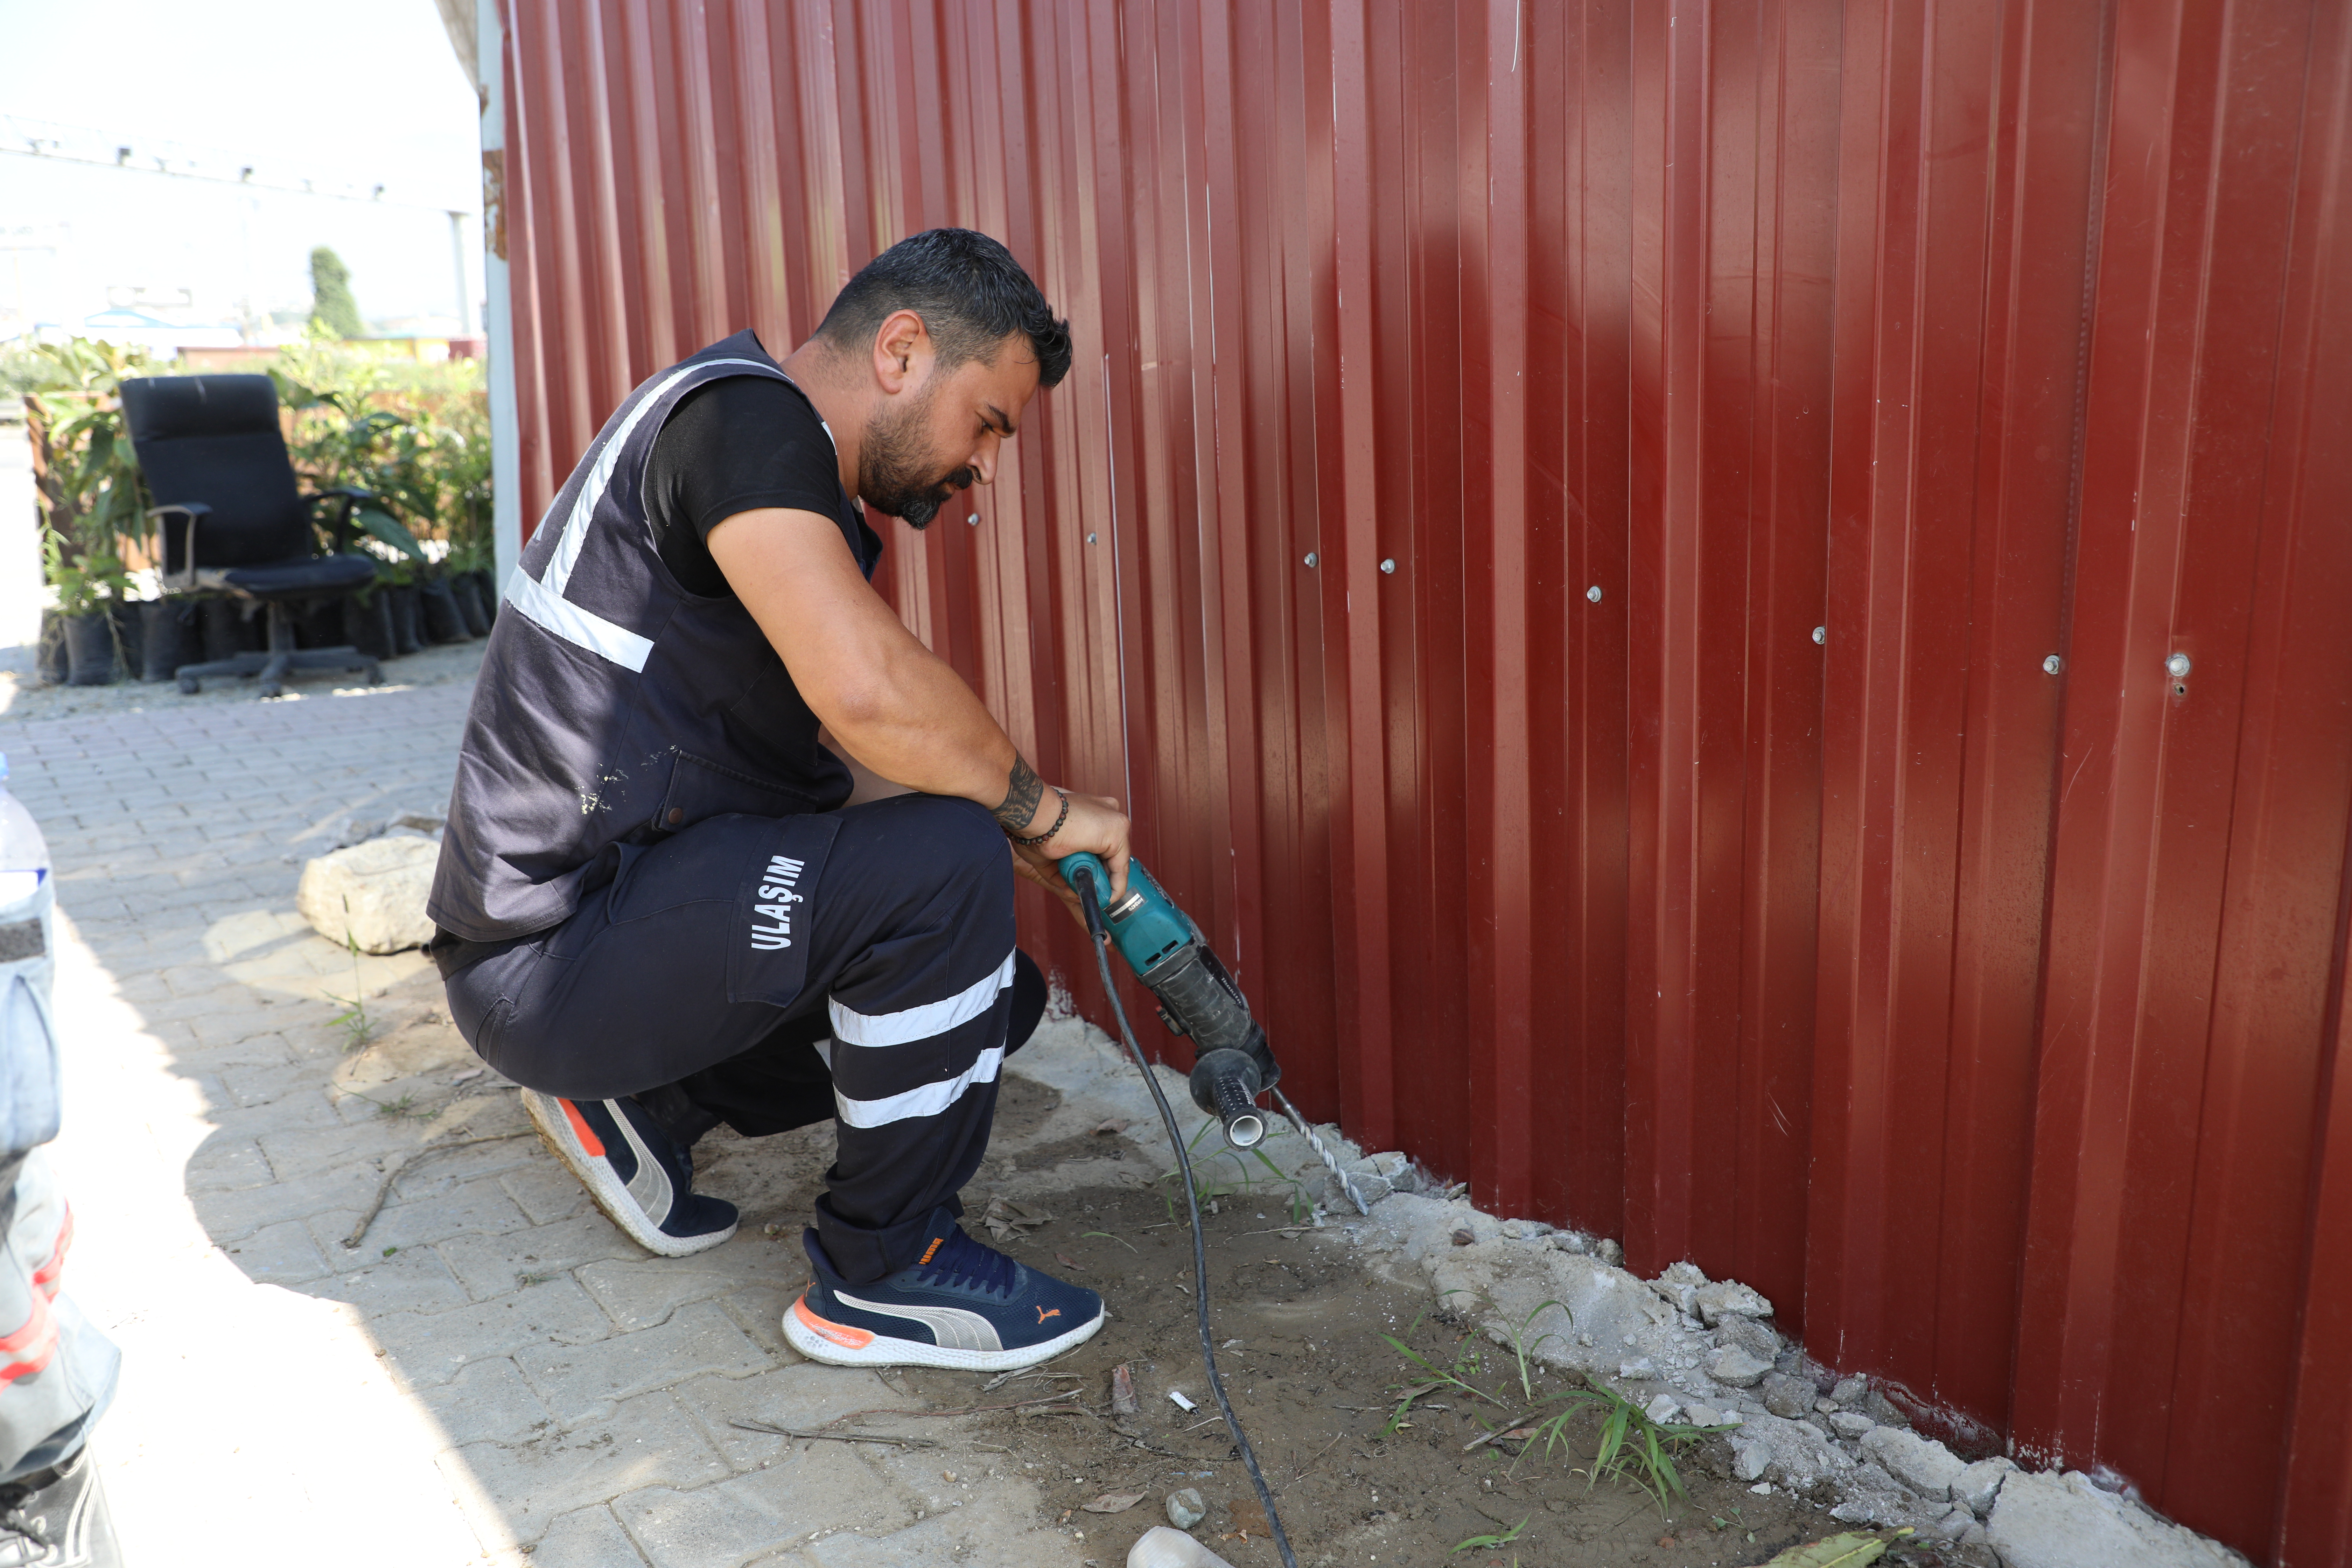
[{"x": 894, "y": 475}]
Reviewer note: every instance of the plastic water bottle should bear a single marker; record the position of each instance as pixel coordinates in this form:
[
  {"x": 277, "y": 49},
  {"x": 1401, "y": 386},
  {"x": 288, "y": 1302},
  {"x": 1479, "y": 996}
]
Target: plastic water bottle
[{"x": 24, "y": 853}]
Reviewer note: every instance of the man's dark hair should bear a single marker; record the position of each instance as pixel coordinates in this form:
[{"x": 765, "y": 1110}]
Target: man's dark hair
[{"x": 970, "y": 292}]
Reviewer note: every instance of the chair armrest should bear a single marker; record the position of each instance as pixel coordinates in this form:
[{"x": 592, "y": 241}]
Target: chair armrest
[
  {"x": 347, "y": 498},
  {"x": 189, "y": 513}
]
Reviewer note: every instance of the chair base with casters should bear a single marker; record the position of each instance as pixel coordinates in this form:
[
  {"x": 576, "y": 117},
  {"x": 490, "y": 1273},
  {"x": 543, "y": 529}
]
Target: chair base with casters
[{"x": 283, "y": 658}]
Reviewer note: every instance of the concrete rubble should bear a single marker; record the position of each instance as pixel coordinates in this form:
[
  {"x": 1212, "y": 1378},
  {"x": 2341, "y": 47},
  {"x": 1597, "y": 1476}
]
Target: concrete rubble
[
  {"x": 1687, "y": 1348},
  {"x": 372, "y": 894}
]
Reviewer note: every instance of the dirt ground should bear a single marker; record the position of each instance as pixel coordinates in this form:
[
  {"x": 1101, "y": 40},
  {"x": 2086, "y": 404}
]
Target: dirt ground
[{"x": 1307, "y": 1359}]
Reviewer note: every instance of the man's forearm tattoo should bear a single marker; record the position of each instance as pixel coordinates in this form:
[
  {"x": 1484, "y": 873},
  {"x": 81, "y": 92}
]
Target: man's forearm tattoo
[{"x": 1023, "y": 791}]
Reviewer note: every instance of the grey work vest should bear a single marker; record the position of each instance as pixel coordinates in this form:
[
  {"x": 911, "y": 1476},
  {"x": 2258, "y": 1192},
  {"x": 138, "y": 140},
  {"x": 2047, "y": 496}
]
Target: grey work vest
[{"x": 615, "y": 707}]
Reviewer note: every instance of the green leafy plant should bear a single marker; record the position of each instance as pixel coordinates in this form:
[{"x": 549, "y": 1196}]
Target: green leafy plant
[
  {"x": 86, "y": 480},
  {"x": 84, "y": 581},
  {"x": 416, "y": 438},
  {"x": 1211, "y": 1182},
  {"x": 1632, "y": 1449},
  {"x": 1469, "y": 1361}
]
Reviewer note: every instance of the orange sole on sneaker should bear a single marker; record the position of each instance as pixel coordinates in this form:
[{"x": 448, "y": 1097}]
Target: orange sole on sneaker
[
  {"x": 569, "y": 1138},
  {"x": 845, "y": 1344}
]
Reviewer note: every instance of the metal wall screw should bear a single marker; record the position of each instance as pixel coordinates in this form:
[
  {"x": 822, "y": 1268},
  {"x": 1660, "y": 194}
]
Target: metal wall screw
[
  {"x": 2053, "y": 665},
  {"x": 1593, "y": 592},
  {"x": 1090, "y": 539},
  {"x": 1310, "y": 558},
  {"x": 1820, "y": 634},
  {"x": 2177, "y": 666},
  {"x": 1389, "y": 565},
  {"x": 974, "y": 519}
]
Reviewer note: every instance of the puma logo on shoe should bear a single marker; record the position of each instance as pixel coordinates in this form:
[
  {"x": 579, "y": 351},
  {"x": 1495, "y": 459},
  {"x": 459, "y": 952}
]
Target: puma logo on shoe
[
  {"x": 1044, "y": 1313},
  {"x": 937, "y": 1242}
]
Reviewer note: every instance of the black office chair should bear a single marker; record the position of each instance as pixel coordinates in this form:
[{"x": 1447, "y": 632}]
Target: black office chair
[{"x": 230, "y": 517}]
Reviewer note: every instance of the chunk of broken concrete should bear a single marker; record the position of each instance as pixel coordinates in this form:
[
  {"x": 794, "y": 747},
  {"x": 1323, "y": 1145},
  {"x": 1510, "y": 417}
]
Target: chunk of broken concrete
[
  {"x": 1729, "y": 1298},
  {"x": 372, "y": 894},
  {"x": 1162, "y": 1547},
  {"x": 2050, "y": 1520},
  {"x": 1874, "y": 1497},
  {"x": 1980, "y": 1484},
  {"x": 1927, "y": 1466},
  {"x": 1738, "y": 1368},
  {"x": 1751, "y": 1336},
  {"x": 1789, "y": 1451},
  {"x": 1785, "y": 1396}
]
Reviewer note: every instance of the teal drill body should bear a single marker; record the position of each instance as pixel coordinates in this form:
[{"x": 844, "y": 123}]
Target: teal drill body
[{"x": 1197, "y": 996}]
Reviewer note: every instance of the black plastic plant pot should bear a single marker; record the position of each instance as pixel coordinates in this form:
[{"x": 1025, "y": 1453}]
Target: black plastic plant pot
[
  {"x": 367, "y": 623},
  {"x": 487, "y": 586},
  {"x": 171, "y": 634},
  {"x": 90, "y": 648},
  {"x": 405, "y": 629},
  {"x": 50, "y": 661},
  {"x": 130, "y": 637},
  {"x": 225, "y": 629},
  {"x": 468, "y": 594},
  {"x": 438, "y": 605}
]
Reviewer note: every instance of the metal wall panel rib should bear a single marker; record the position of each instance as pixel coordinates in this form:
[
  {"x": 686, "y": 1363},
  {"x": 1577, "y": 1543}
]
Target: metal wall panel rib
[{"x": 1984, "y": 1013}]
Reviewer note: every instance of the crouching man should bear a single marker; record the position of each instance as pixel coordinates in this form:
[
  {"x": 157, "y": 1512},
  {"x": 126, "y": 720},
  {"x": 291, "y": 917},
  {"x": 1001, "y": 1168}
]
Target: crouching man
[{"x": 667, "y": 895}]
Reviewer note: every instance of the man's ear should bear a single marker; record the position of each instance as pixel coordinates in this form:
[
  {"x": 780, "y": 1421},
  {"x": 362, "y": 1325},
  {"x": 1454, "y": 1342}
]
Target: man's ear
[{"x": 902, "y": 352}]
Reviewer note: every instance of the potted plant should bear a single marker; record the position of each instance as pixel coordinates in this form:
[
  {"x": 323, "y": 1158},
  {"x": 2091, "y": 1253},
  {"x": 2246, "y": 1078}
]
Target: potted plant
[
  {"x": 92, "y": 499},
  {"x": 86, "y": 584},
  {"x": 469, "y": 579}
]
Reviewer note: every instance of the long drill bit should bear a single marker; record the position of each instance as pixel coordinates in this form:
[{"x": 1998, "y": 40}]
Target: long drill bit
[{"x": 1329, "y": 1159}]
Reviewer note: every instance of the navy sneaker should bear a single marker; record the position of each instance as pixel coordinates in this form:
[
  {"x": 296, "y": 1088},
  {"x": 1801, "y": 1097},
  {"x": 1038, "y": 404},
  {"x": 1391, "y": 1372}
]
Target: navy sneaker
[
  {"x": 640, "y": 1176},
  {"x": 963, "y": 1305}
]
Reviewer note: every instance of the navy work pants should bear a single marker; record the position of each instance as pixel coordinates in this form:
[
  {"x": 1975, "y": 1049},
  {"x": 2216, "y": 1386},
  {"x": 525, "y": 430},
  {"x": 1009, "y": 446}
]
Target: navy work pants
[{"x": 771, "y": 972}]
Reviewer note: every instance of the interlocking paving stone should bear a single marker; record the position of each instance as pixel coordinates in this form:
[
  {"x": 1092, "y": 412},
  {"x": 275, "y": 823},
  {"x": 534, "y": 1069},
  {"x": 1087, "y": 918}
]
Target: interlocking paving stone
[
  {"x": 410, "y": 1280},
  {"x": 829, "y": 1488},
  {"x": 643, "y": 1292},
  {"x": 489, "y": 1401},
  {"x": 282, "y": 1254},
  {"x": 432, "y": 1347},
  {"x": 481, "y": 1207},
  {"x": 492, "y": 1266},
  {"x": 578, "y": 1382},
  {"x": 587, "y": 1538},
  {"x": 545, "y": 1191},
  {"x": 806, "y": 1395},
  {"x": 648, "y": 1442}
]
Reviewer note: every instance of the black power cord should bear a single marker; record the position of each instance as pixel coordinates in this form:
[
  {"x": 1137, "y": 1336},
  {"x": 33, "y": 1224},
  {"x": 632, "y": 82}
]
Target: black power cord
[{"x": 1093, "y": 907}]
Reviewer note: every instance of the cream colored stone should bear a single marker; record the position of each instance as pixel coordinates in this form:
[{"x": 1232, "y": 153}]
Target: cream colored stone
[{"x": 373, "y": 893}]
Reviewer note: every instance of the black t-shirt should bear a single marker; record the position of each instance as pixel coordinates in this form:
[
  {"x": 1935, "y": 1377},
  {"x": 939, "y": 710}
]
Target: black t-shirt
[
  {"x": 729, "y": 445},
  {"x": 738, "y": 443}
]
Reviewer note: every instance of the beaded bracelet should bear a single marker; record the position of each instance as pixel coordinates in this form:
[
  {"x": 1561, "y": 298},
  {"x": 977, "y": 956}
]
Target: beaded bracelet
[{"x": 1049, "y": 833}]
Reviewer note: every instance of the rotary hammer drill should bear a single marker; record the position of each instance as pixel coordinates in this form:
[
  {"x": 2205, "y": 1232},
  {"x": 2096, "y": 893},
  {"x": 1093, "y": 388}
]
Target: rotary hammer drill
[{"x": 1197, "y": 996}]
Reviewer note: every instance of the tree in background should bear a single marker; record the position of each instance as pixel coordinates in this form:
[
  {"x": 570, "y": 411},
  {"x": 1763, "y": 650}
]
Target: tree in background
[{"x": 333, "y": 312}]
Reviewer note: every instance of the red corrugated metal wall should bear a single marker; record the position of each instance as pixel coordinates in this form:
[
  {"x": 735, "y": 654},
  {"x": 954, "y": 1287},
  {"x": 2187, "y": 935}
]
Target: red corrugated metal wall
[{"x": 1477, "y": 411}]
